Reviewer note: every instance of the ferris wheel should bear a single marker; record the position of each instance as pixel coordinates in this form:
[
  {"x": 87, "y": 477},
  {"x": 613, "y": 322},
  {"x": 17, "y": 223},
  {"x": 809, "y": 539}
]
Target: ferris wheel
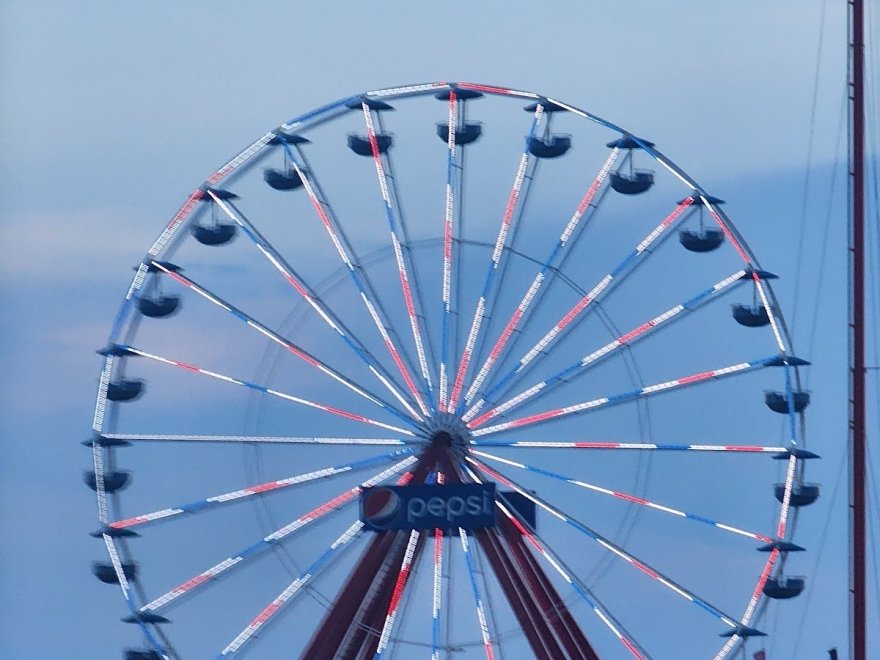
[{"x": 449, "y": 378}]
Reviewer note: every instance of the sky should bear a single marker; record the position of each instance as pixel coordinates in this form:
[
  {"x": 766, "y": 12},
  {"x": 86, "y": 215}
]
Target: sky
[{"x": 112, "y": 112}]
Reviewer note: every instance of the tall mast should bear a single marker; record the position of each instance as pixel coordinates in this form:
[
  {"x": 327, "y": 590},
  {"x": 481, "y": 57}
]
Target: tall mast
[{"x": 858, "y": 613}]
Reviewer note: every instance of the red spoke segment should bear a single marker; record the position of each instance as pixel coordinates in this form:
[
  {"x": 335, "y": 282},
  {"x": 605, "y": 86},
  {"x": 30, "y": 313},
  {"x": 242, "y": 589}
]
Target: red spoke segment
[{"x": 397, "y": 594}]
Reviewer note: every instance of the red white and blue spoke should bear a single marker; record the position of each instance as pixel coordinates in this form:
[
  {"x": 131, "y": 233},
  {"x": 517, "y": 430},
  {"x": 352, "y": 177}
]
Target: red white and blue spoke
[
  {"x": 497, "y": 254},
  {"x": 593, "y": 358}
]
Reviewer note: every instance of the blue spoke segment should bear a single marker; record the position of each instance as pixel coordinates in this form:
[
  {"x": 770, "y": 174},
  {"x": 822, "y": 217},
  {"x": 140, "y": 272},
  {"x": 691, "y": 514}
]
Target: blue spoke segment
[
  {"x": 309, "y": 296},
  {"x": 256, "y": 439},
  {"x": 396, "y": 595},
  {"x": 632, "y": 395},
  {"x": 626, "y": 497},
  {"x": 266, "y": 390},
  {"x": 497, "y": 254},
  {"x": 278, "y": 339},
  {"x": 609, "y": 545},
  {"x": 534, "y": 288},
  {"x": 406, "y": 283},
  {"x": 205, "y": 577},
  {"x": 242, "y": 494},
  {"x": 609, "y": 349},
  {"x": 294, "y": 588},
  {"x": 570, "y": 319}
]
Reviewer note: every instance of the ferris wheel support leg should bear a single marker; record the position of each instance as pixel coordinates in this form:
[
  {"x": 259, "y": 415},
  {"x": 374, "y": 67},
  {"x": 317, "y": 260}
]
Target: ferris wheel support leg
[{"x": 557, "y": 614}]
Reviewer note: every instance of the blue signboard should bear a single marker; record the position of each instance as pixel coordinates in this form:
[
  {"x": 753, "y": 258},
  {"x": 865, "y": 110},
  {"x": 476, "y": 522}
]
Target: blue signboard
[{"x": 447, "y": 506}]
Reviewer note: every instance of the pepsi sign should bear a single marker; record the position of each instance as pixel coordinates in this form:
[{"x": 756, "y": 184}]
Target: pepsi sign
[{"x": 424, "y": 506}]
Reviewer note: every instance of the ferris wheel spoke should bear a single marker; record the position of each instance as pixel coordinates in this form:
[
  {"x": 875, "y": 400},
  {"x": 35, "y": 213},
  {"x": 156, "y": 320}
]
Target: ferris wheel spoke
[
  {"x": 626, "y": 497},
  {"x": 408, "y": 284},
  {"x": 253, "y": 439},
  {"x": 632, "y": 395},
  {"x": 358, "y": 275},
  {"x": 497, "y": 254},
  {"x": 534, "y": 291},
  {"x": 638, "y": 256},
  {"x": 475, "y": 591},
  {"x": 448, "y": 246},
  {"x": 630, "y": 446},
  {"x": 281, "y": 341},
  {"x": 641, "y": 331},
  {"x": 242, "y": 494},
  {"x": 606, "y": 543},
  {"x": 210, "y": 575},
  {"x": 566, "y": 573},
  {"x": 293, "y": 589},
  {"x": 412, "y": 547},
  {"x": 299, "y": 284},
  {"x": 266, "y": 390}
]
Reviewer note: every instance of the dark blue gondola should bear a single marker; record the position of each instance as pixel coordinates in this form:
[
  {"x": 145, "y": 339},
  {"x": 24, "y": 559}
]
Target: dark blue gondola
[
  {"x": 751, "y": 316},
  {"x": 113, "y": 481},
  {"x": 781, "y": 546},
  {"x": 362, "y": 147},
  {"x": 783, "y": 587},
  {"x": 777, "y": 401},
  {"x": 743, "y": 631},
  {"x": 632, "y": 183},
  {"x": 158, "y": 307},
  {"x": 135, "y": 654},
  {"x": 285, "y": 179},
  {"x": 801, "y": 494},
  {"x": 700, "y": 240},
  {"x": 218, "y": 233},
  {"x": 553, "y": 147},
  {"x": 465, "y": 134},
  {"x": 288, "y": 138},
  {"x": 125, "y": 390},
  {"x": 103, "y": 441},
  {"x": 106, "y": 573},
  {"x": 628, "y": 142}
]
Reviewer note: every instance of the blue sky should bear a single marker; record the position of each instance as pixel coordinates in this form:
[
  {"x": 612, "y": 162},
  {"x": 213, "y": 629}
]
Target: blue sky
[{"x": 113, "y": 111}]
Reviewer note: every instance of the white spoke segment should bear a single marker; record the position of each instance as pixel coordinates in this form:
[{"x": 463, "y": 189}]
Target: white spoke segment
[
  {"x": 475, "y": 589},
  {"x": 610, "y": 546},
  {"x": 314, "y": 302},
  {"x": 626, "y": 497},
  {"x": 535, "y": 287},
  {"x": 292, "y": 590},
  {"x": 251, "y": 551},
  {"x": 617, "y": 275},
  {"x": 256, "y": 439},
  {"x": 640, "y": 446},
  {"x": 266, "y": 390},
  {"x": 632, "y": 395},
  {"x": 402, "y": 269},
  {"x": 437, "y": 588},
  {"x": 497, "y": 253},
  {"x": 200, "y": 506},
  {"x": 397, "y": 594},
  {"x": 359, "y": 282},
  {"x": 591, "y": 359}
]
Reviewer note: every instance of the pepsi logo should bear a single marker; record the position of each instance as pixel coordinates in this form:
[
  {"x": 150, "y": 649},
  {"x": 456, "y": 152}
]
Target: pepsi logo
[{"x": 380, "y": 506}]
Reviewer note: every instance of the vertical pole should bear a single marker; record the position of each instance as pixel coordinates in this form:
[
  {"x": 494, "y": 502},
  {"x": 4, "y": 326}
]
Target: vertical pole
[{"x": 858, "y": 613}]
